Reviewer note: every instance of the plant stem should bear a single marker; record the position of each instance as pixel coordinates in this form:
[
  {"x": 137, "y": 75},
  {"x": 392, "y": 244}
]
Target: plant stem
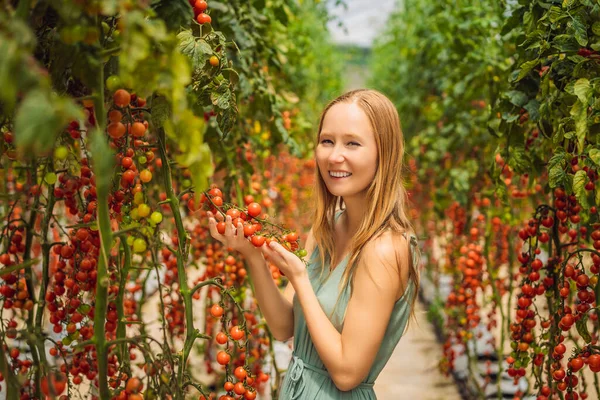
[
  {"x": 190, "y": 334},
  {"x": 121, "y": 326},
  {"x": 103, "y": 218},
  {"x": 31, "y": 342},
  {"x": 11, "y": 382},
  {"x": 41, "y": 305}
]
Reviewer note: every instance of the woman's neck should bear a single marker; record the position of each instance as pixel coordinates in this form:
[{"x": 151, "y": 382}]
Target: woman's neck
[{"x": 353, "y": 215}]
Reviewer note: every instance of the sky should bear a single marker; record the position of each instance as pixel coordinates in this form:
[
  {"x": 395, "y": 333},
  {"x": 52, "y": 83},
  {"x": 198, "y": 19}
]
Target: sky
[{"x": 362, "y": 19}]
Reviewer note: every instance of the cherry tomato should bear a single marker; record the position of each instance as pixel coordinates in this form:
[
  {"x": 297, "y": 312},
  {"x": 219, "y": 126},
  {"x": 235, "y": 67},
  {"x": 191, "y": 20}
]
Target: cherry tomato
[
  {"x": 122, "y": 98},
  {"x": 216, "y": 311},
  {"x": 254, "y": 209},
  {"x": 223, "y": 358}
]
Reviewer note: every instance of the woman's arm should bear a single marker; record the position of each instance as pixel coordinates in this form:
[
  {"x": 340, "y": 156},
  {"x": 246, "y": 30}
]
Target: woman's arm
[
  {"x": 379, "y": 279},
  {"x": 275, "y": 306},
  {"x": 289, "y": 291}
]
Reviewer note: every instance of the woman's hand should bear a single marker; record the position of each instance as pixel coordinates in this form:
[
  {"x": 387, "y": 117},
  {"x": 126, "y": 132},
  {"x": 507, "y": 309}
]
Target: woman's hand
[
  {"x": 290, "y": 264},
  {"x": 233, "y": 237}
]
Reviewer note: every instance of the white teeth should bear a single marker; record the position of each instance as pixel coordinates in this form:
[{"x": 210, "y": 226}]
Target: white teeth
[{"x": 339, "y": 174}]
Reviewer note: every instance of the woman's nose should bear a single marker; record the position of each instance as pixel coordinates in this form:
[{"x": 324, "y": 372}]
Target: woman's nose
[{"x": 337, "y": 155}]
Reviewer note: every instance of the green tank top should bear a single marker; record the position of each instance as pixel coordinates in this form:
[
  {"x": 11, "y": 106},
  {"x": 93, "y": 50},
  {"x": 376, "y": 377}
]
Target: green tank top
[{"x": 307, "y": 377}]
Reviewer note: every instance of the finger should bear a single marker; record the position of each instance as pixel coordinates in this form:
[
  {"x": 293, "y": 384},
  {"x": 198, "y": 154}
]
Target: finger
[
  {"x": 212, "y": 228},
  {"x": 219, "y": 216},
  {"x": 273, "y": 256},
  {"x": 240, "y": 230},
  {"x": 228, "y": 226},
  {"x": 279, "y": 249},
  {"x": 210, "y": 216}
]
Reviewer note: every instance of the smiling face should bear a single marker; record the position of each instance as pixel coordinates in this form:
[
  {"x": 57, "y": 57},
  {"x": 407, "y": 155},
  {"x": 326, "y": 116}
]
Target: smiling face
[{"x": 346, "y": 152}]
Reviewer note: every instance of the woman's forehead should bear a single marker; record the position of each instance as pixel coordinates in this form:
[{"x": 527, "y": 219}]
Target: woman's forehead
[{"x": 346, "y": 119}]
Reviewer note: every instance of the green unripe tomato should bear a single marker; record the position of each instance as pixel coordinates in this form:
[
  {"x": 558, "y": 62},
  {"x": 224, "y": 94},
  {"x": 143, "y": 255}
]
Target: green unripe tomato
[
  {"x": 156, "y": 217},
  {"x": 139, "y": 245},
  {"x": 134, "y": 214},
  {"x": 138, "y": 198},
  {"x": 50, "y": 178},
  {"x": 113, "y": 83},
  {"x": 61, "y": 152},
  {"x": 130, "y": 240},
  {"x": 142, "y": 160},
  {"x": 186, "y": 183},
  {"x": 302, "y": 253}
]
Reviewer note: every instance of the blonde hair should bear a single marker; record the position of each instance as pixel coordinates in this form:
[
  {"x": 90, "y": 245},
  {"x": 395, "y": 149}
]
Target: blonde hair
[{"x": 387, "y": 199}]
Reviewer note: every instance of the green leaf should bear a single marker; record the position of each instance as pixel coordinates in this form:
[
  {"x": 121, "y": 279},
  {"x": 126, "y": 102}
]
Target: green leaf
[
  {"x": 227, "y": 118},
  {"x": 579, "y": 181},
  {"x": 556, "y": 177},
  {"x": 197, "y": 49},
  {"x": 175, "y": 13},
  {"x": 526, "y": 67},
  {"x": 594, "y": 155},
  {"x": 516, "y": 97},
  {"x": 559, "y": 157},
  {"x": 555, "y": 14},
  {"x": 583, "y": 90},
  {"x": 222, "y": 96},
  {"x": 580, "y": 31},
  {"x": 186, "y": 130},
  {"x": 565, "y": 43},
  {"x": 581, "y": 326},
  {"x": 515, "y": 19},
  {"x": 519, "y": 159},
  {"x": 533, "y": 108},
  {"x": 40, "y": 118},
  {"x": 596, "y": 28},
  {"x": 579, "y": 114}
]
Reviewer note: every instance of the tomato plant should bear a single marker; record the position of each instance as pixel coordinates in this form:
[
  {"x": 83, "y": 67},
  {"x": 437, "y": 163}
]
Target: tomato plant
[
  {"x": 115, "y": 116},
  {"x": 499, "y": 104}
]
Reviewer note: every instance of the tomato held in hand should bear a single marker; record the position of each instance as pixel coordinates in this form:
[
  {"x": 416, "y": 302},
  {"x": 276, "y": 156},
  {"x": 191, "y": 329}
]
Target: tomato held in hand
[{"x": 254, "y": 209}]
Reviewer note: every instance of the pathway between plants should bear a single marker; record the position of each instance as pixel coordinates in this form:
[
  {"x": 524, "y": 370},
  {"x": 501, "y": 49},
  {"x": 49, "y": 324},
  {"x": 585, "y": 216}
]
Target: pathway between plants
[{"x": 412, "y": 371}]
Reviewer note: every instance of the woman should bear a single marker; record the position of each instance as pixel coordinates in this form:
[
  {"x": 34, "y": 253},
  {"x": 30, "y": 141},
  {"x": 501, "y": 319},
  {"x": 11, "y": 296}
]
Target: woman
[{"x": 348, "y": 309}]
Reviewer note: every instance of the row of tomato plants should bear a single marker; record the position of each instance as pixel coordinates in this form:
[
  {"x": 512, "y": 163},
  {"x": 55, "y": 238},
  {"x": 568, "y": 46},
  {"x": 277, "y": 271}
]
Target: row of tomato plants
[
  {"x": 111, "y": 286},
  {"x": 501, "y": 101}
]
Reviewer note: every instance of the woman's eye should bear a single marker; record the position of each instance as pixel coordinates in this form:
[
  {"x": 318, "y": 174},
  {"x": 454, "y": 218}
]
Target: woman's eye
[
  {"x": 354, "y": 144},
  {"x": 326, "y": 141}
]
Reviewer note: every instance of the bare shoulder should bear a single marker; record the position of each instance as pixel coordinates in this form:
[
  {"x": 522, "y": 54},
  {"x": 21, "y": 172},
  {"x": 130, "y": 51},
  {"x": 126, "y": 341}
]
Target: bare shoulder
[
  {"x": 391, "y": 248},
  {"x": 386, "y": 260}
]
